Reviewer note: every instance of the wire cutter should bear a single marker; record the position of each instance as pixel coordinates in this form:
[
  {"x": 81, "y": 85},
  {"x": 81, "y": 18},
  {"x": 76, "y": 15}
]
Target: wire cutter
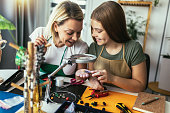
[
  {"x": 73, "y": 81},
  {"x": 98, "y": 95}
]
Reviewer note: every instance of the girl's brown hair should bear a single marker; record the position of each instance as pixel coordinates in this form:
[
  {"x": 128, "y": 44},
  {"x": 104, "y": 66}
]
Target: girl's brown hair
[{"x": 112, "y": 18}]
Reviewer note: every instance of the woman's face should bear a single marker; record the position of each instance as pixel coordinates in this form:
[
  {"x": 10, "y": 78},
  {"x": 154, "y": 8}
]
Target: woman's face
[
  {"x": 69, "y": 32},
  {"x": 99, "y": 33}
]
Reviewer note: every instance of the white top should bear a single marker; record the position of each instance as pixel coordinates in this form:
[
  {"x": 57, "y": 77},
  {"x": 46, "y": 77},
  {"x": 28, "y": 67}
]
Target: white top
[{"x": 54, "y": 54}]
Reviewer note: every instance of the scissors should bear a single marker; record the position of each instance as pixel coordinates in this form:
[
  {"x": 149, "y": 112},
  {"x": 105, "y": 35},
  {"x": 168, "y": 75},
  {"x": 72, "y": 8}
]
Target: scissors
[{"x": 73, "y": 81}]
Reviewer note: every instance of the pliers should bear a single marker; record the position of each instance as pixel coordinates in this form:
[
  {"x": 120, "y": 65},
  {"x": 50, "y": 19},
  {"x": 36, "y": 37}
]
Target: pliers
[{"x": 98, "y": 95}]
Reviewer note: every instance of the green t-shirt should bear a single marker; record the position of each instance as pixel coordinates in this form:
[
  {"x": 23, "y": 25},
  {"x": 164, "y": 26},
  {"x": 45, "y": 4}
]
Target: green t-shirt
[{"x": 133, "y": 53}]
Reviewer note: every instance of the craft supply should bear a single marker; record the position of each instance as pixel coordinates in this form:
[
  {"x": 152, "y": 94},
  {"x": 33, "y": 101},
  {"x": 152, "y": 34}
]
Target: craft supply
[
  {"x": 98, "y": 95},
  {"x": 73, "y": 81},
  {"x": 149, "y": 101},
  {"x": 81, "y": 102},
  {"x": 157, "y": 106},
  {"x": 104, "y": 103},
  {"x": 59, "y": 81},
  {"x": 17, "y": 86},
  {"x": 86, "y": 104},
  {"x": 123, "y": 108},
  {"x": 1, "y": 79},
  {"x": 88, "y": 71},
  {"x": 110, "y": 100}
]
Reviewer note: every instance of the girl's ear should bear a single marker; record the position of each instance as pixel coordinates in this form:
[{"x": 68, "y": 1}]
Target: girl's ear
[{"x": 55, "y": 27}]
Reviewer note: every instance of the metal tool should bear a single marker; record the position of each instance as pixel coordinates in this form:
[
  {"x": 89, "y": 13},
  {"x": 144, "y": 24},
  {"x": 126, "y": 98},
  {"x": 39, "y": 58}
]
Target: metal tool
[
  {"x": 73, "y": 81},
  {"x": 98, "y": 95},
  {"x": 77, "y": 58}
]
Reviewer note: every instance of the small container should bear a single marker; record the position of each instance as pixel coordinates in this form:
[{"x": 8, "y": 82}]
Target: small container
[{"x": 59, "y": 81}]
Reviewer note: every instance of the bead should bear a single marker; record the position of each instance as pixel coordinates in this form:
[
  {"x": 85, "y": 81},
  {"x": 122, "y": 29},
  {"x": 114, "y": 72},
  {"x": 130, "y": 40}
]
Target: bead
[
  {"x": 81, "y": 102},
  {"x": 86, "y": 104},
  {"x": 104, "y": 103},
  {"x": 67, "y": 98},
  {"x": 52, "y": 98}
]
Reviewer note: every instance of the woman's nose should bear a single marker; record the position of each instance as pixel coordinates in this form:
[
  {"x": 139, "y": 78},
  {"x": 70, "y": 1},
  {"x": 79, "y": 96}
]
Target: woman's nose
[{"x": 75, "y": 37}]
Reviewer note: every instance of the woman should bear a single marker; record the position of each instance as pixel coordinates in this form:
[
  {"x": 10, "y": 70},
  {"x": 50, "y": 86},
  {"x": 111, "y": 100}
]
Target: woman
[
  {"x": 120, "y": 60},
  {"x": 62, "y": 31}
]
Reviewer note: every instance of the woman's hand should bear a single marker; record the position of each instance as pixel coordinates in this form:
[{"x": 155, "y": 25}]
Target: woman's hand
[
  {"x": 102, "y": 76},
  {"x": 41, "y": 41}
]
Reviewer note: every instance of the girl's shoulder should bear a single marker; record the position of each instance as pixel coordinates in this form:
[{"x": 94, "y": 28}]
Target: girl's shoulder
[
  {"x": 132, "y": 44},
  {"x": 80, "y": 43}
]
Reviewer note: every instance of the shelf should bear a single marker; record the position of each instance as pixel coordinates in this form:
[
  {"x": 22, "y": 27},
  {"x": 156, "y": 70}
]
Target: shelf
[
  {"x": 143, "y": 4},
  {"x": 135, "y": 3}
]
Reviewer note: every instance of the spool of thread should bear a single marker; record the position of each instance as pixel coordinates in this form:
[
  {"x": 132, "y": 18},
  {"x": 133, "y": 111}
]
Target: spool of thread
[
  {"x": 59, "y": 81},
  {"x": 1, "y": 79}
]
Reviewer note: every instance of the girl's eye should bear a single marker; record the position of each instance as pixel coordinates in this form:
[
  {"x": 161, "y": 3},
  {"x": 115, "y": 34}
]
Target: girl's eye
[{"x": 99, "y": 31}]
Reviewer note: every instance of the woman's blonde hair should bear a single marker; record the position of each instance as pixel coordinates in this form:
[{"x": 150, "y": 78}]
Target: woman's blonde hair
[{"x": 62, "y": 12}]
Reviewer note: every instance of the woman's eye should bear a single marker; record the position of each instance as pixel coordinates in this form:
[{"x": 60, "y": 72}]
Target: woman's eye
[{"x": 70, "y": 33}]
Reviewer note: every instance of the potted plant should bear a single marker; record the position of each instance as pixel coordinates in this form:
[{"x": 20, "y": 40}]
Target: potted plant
[
  {"x": 6, "y": 25},
  {"x": 135, "y": 25}
]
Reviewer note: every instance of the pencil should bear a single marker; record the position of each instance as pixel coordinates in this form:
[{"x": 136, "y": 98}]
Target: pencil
[{"x": 149, "y": 101}]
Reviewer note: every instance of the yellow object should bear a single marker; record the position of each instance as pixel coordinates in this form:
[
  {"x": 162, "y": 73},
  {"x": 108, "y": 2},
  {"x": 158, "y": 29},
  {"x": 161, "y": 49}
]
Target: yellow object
[{"x": 111, "y": 100}]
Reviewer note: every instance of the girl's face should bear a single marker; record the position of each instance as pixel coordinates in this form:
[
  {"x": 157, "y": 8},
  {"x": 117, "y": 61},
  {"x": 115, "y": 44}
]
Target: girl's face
[
  {"x": 69, "y": 32},
  {"x": 99, "y": 33}
]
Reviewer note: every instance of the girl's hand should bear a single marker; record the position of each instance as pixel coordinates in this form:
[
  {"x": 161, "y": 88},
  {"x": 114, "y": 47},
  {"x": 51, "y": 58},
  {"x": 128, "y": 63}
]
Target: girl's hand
[
  {"x": 95, "y": 84},
  {"x": 102, "y": 76},
  {"x": 82, "y": 74}
]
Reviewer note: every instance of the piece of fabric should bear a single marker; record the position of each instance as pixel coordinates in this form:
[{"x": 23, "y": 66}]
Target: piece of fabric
[
  {"x": 54, "y": 54},
  {"x": 115, "y": 67}
]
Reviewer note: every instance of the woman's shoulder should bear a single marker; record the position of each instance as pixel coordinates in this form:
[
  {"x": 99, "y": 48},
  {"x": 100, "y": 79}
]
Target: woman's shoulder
[{"x": 37, "y": 32}]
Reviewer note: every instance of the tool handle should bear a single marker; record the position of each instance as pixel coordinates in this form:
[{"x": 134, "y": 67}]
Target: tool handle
[{"x": 104, "y": 94}]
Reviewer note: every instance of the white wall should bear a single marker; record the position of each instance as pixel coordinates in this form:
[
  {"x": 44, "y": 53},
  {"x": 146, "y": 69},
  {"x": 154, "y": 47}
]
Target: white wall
[{"x": 155, "y": 30}]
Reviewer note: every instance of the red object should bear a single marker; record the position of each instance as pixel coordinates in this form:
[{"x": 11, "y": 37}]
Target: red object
[
  {"x": 75, "y": 82},
  {"x": 45, "y": 79},
  {"x": 97, "y": 94},
  {"x": 67, "y": 98}
]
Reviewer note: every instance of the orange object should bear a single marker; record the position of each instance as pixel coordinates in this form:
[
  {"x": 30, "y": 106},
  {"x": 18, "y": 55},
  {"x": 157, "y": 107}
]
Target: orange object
[{"x": 111, "y": 100}]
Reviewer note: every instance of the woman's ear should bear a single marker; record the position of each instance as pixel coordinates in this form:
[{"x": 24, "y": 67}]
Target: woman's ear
[{"x": 55, "y": 27}]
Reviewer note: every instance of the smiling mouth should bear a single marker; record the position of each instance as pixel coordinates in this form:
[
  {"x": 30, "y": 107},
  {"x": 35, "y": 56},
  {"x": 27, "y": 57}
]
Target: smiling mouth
[{"x": 70, "y": 42}]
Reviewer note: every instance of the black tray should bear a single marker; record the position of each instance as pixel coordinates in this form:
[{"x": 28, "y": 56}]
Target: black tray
[
  {"x": 14, "y": 78},
  {"x": 84, "y": 109}
]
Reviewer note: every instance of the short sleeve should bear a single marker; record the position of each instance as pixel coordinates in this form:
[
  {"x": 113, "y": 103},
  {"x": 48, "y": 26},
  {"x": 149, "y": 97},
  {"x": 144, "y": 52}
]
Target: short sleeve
[
  {"x": 36, "y": 33},
  {"x": 138, "y": 56}
]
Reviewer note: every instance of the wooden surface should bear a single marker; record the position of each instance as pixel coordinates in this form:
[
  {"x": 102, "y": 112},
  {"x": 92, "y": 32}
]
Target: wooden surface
[{"x": 154, "y": 87}]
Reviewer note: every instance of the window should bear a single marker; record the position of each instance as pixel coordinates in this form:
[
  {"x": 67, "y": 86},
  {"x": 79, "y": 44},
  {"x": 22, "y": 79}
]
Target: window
[{"x": 81, "y": 3}]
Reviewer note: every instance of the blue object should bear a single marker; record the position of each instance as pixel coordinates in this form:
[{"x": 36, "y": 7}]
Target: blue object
[{"x": 6, "y": 95}]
